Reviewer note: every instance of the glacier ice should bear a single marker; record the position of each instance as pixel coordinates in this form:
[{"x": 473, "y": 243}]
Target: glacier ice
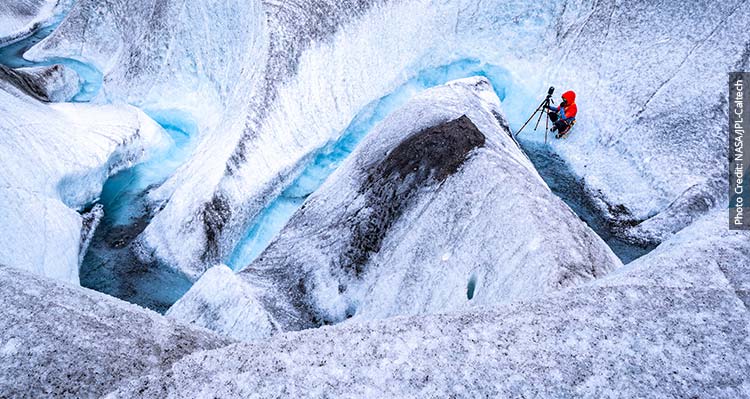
[
  {"x": 565, "y": 183},
  {"x": 437, "y": 209},
  {"x": 275, "y": 82},
  {"x": 270, "y": 221},
  {"x": 695, "y": 201},
  {"x": 671, "y": 324},
  {"x": 59, "y": 340},
  {"x": 228, "y": 304},
  {"x": 56, "y": 79},
  {"x": 265, "y": 99},
  {"x": 184, "y": 64},
  {"x": 54, "y": 160}
]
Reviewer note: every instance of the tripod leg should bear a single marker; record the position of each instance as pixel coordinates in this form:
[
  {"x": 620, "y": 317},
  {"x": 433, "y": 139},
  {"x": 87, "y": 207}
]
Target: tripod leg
[
  {"x": 541, "y": 114},
  {"x": 546, "y": 129},
  {"x": 544, "y": 107},
  {"x": 530, "y": 118}
]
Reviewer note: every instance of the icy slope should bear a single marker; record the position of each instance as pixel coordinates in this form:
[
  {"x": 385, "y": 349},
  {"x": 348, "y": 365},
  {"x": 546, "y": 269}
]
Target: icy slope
[
  {"x": 671, "y": 324},
  {"x": 54, "y": 160},
  {"x": 705, "y": 255},
  {"x": 437, "y": 209},
  {"x": 59, "y": 340},
  {"x": 651, "y": 77}
]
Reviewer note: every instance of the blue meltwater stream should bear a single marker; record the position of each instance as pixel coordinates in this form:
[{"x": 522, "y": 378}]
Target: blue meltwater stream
[
  {"x": 107, "y": 266},
  {"x": 126, "y": 188}
]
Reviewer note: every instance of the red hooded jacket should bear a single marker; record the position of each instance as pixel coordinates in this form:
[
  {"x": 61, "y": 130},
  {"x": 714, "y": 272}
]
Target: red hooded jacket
[{"x": 571, "y": 109}]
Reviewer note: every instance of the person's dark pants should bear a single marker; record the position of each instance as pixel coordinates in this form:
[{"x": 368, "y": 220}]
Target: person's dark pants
[{"x": 560, "y": 125}]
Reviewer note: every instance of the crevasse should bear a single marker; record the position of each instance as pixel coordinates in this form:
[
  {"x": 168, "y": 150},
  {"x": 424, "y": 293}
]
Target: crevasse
[
  {"x": 108, "y": 265},
  {"x": 124, "y": 196}
]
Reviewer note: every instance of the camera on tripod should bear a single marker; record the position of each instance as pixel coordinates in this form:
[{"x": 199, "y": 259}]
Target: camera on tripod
[{"x": 541, "y": 110}]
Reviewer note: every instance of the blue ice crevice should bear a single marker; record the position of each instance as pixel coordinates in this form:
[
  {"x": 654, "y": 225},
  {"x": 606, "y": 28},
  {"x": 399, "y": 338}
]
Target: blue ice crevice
[{"x": 109, "y": 266}]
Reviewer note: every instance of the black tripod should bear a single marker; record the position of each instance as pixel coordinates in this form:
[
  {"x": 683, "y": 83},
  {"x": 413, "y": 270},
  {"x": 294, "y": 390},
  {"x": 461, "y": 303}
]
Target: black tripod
[{"x": 541, "y": 110}]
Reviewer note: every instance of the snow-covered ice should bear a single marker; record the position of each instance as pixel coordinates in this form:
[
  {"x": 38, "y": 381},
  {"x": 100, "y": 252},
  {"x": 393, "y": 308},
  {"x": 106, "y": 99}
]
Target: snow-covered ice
[
  {"x": 53, "y": 83},
  {"x": 437, "y": 209},
  {"x": 326, "y": 159},
  {"x": 54, "y": 160}
]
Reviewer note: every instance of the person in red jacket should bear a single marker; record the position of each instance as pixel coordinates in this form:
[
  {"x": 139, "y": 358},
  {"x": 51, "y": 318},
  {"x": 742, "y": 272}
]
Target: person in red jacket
[{"x": 564, "y": 116}]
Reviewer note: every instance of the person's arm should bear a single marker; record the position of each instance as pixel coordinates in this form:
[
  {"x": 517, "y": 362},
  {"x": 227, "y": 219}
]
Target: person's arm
[{"x": 568, "y": 115}]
